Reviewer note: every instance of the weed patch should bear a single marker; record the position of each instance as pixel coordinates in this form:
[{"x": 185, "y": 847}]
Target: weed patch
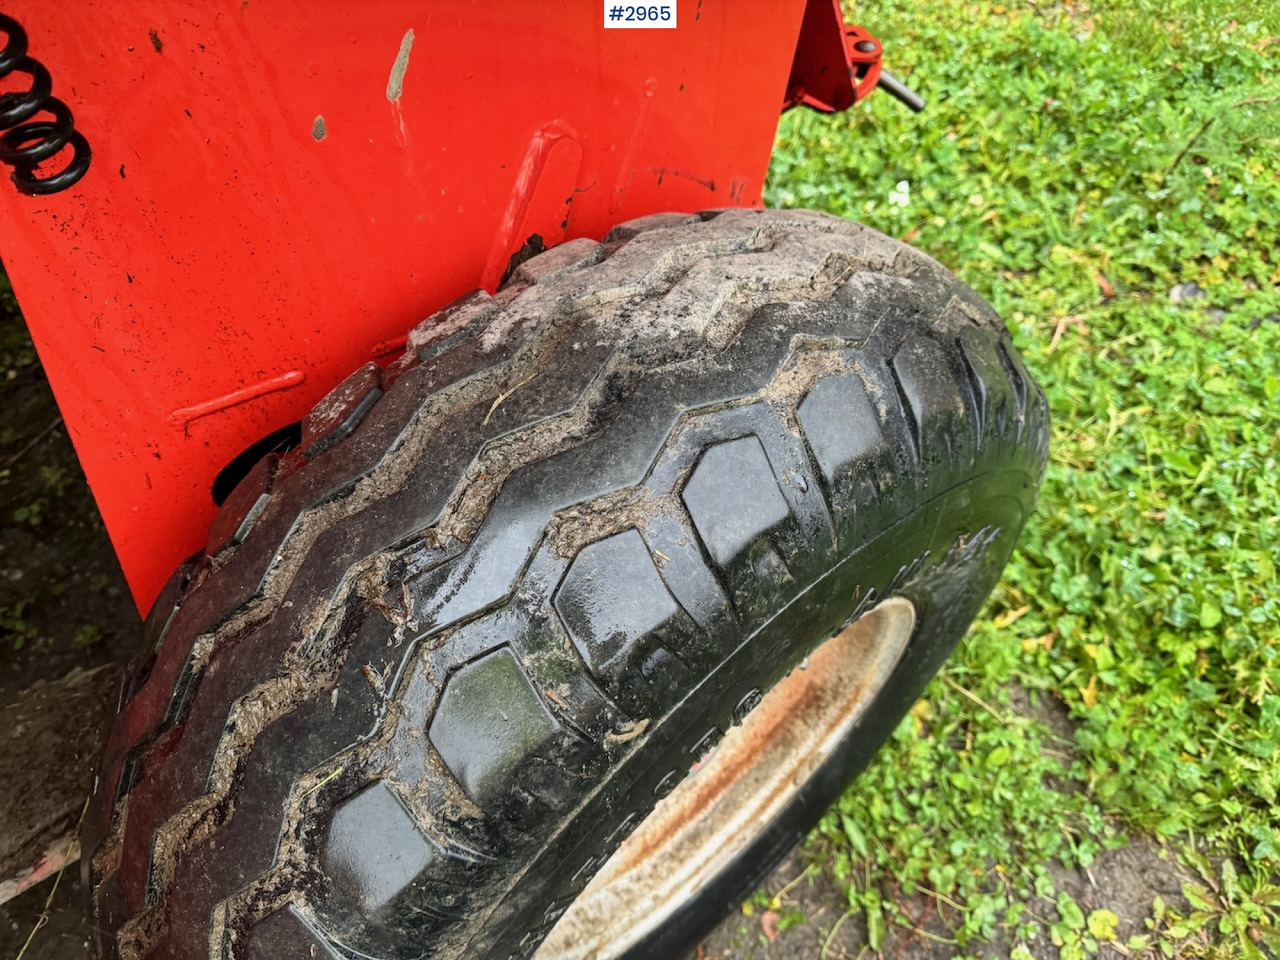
[{"x": 1077, "y": 163}]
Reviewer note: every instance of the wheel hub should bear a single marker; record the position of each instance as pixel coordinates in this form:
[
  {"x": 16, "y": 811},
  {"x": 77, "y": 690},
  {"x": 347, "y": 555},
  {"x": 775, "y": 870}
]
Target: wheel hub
[{"x": 735, "y": 791}]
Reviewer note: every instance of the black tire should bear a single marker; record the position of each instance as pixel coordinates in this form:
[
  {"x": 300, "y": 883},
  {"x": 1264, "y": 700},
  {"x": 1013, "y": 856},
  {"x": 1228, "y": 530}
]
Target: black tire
[{"x": 437, "y": 661}]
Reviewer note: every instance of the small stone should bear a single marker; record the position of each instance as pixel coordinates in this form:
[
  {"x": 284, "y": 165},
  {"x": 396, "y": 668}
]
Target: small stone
[{"x": 1183, "y": 292}]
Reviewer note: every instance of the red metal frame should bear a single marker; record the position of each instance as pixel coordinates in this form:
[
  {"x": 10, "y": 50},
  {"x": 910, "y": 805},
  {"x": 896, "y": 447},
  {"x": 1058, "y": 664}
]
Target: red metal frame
[
  {"x": 835, "y": 65},
  {"x": 281, "y": 189}
]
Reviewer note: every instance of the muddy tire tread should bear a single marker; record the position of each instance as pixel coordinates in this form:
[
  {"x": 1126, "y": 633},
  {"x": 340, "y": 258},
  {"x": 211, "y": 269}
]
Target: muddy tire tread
[{"x": 608, "y": 327}]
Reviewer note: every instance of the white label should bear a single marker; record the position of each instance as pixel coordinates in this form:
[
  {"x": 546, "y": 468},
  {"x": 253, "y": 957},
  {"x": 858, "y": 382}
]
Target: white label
[{"x": 650, "y": 15}]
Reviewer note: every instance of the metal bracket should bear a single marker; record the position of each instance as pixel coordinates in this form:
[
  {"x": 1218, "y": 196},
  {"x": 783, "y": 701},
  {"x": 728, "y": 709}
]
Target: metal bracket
[{"x": 837, "y": 65}]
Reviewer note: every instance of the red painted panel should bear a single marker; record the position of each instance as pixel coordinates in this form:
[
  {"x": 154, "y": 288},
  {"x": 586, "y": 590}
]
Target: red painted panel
[{"x": 279, "y": 186}]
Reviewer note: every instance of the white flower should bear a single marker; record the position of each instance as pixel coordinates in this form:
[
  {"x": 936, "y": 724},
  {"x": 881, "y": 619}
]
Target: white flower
[{"x": 900, "y": 195}]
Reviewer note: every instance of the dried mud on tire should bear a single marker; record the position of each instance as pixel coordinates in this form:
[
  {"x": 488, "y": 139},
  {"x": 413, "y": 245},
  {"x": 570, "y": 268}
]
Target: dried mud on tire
[{"x": 438, "y": 661}]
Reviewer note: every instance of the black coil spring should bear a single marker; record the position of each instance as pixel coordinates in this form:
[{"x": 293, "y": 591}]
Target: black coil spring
[{"x": 25, "y": 145}]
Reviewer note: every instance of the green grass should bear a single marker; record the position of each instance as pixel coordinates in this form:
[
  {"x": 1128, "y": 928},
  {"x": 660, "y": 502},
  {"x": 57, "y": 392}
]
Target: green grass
[{"x": 1075, "y": 164}]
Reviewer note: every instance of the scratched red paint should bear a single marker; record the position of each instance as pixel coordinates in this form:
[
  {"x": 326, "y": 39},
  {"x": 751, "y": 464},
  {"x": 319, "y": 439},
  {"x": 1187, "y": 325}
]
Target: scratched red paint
[{"x": 221, "y": 267}]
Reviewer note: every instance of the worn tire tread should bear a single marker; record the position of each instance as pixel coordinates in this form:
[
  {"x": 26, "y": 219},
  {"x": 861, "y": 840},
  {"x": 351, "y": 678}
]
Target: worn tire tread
[{"x": 374, "y": 535}]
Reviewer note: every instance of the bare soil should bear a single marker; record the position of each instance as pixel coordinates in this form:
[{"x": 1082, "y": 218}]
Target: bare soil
[
  {"x": 64, "y": 606},
  {"x": 1124, "y": 881},
  {"x": 63, "y": 599}
]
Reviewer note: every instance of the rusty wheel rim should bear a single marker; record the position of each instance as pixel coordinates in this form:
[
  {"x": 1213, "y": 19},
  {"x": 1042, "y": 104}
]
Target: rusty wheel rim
[{"x": 741, "y": 786}]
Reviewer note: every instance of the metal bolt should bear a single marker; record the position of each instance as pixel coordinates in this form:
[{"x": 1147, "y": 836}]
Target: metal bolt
[{"x": 865, "y": 46}]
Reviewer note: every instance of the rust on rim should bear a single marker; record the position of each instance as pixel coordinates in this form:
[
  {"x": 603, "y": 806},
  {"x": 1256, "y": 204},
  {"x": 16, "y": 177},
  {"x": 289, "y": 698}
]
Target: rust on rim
[{"x": 731, "y": 795}]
